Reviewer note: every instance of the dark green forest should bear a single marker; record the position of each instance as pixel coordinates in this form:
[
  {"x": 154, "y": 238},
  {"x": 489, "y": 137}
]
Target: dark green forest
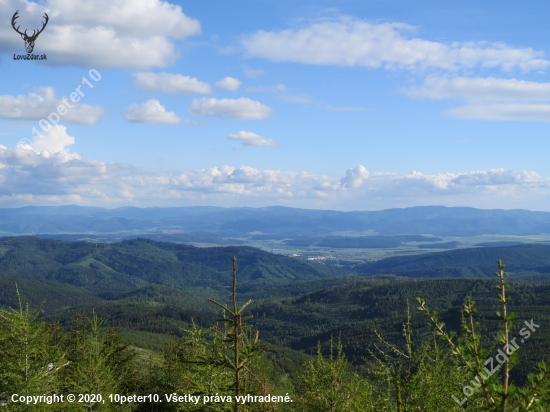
[{"x": 138, "y": 317}]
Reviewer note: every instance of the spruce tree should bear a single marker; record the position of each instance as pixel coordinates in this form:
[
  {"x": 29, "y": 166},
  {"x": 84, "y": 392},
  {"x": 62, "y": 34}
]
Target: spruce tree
[
  {"x": 488, "y": 386},
  {"x": 30, "y": 355},
  {"x": 328, "y": 385}
]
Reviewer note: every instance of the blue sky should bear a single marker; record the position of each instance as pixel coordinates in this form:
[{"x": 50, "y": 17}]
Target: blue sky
[{"x": 347, "y": 105}]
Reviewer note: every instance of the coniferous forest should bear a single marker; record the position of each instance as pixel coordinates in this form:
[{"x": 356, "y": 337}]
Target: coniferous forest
[{"x": 341, "y": 343}]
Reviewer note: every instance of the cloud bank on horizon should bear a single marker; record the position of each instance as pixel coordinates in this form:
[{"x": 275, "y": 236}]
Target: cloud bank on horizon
[
  {"x": 303, "y": 116},
  {"x": 48, "y": 173}
]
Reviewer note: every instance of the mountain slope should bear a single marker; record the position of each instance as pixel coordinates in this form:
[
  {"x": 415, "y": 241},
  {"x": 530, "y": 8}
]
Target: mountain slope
[
  {"x": 354, "y": 312},
  {"x": 137, "y": 263},
  {"x": 472, "y": 262},
  {"x": 53, "y": 295}
]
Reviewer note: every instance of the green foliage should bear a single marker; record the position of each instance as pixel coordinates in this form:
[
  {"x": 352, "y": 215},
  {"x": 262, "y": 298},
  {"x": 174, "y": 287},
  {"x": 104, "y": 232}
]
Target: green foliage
[
  {"x": 98, "y": 363},
  {"x": 49, "y": 295},
  {"x": 408, "y": 368},
  {"x": 244, "y": 349},
  {"x": 30, "y": 354},
  {"x": 356, "y": 310},
  {"x": 328, "y": 385},
  {"x": 496, "y": 392},
  {"x": 420, "y": 376}
]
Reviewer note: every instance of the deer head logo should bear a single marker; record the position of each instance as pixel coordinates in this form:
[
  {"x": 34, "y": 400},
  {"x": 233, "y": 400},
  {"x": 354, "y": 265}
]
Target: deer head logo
[{"x": 29, "y": 40}]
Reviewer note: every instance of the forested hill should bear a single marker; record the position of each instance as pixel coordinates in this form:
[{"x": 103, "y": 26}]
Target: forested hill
[
  {"x": 51, "y": 294},
  {"x": 137, "y": 263},
  {"x": 355, "y": 311},
  {"x": 472, "y": 262}
]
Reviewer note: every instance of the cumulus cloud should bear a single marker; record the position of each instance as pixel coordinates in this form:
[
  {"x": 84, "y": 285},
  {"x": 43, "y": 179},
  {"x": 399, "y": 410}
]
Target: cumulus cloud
[
  {"x": 354, "y": 177},
  {"x": 477, "y": 185},
  {"x": 61, "y": 177},
  {"x": 252, "y": 139},
  {"x": 348, "y": 41},
  {"x": 102, "y": 33},
  {"x": 497, "y": 177},
  {"x": 274, "y": 89},
  {"x": 252, "y": 74},
  {"x": 41, "y": 103},
  {"x": 171, "y": 83},
  {"x": 151, "y": 112},
  {"x": 481, "y": 89},
  {"x": 55, "y": 177},
  {"x": 242, "y": 108},
  {"x": 229, "y": 83},
  {"x": 55, "y": 140}
]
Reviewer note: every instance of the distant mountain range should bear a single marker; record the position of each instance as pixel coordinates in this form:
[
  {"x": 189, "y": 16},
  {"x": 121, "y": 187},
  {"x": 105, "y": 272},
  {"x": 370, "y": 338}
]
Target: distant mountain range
[{"x": 217, "y": 222}]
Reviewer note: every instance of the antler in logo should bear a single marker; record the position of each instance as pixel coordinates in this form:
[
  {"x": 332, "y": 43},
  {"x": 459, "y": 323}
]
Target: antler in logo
[{"x": 29, "y": 40}]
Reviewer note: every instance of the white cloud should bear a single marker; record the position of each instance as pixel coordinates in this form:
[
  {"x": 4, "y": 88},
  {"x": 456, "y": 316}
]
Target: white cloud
[
  {"x": 252, "y": 74},
  {"x": 151, "y": 112},
  {"x": 354, "y": 177},
  {"x": 497, "y": 177},
  {"x": 229, "y": 83},
  {"x": 61, "y": 177},
  {"x": 171, "y": 83},
  {"x": 481, "y": 89},
  {"x": 490, "y": 98},
  {"x": 349, "y": 41},
  {"x": 43, "y": 102},
  {"x": 252, "y": 139},
  {"x": 55, "y": 177},
  {"x": 137, "y": 17},
  {"x": 504, "y": 111},
  {"x": 50, "y": 178},
  {"x": 476, "y": 185},
  {"x": 55, "y": 140},
  {"x": 242, "y": 108},
  {"x": 274, "y": 89},
  {"x": 101, "y": 33}
]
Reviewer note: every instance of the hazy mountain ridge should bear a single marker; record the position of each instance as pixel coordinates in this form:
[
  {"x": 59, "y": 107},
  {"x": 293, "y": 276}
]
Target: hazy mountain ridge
[{"x": 243, "y": 221}]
